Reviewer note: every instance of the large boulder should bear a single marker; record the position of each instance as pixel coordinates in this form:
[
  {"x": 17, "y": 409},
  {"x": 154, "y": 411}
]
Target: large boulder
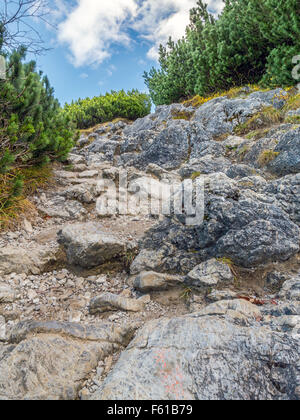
[
  {"x": 220, "y": 354},
  {"x": 88, "y": 246},
  {"x": 51, "y": 360},
  {"x": 246, "y": 227},
  {"x": 169, "y": 149}
]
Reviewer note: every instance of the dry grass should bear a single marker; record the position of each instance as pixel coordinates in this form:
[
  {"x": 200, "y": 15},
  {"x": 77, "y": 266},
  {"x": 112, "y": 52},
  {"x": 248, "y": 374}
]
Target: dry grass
[
  {"x": 195, "y": 175},
  {"x": 267, "y": 117},
  {"x": 258, "y": 134},
  {"x": 266, "y": 157},
  {"x": 232, "y": 93},
  {"x": 293, "y": 102},
  {"x": 182, "y": 115},
  {"x": 14, "y": 210},
  {"x": 292, "y": 119}
]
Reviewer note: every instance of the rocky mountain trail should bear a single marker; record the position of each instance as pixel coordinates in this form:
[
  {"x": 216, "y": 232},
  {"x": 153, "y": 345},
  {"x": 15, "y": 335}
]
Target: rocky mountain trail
[{"x": 146, "y": 306}]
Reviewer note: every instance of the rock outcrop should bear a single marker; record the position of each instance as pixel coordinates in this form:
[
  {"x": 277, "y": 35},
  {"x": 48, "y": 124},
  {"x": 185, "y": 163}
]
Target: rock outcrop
[
  {"x": 50, "y": 361},
  {"x": 212, "y": 355}
]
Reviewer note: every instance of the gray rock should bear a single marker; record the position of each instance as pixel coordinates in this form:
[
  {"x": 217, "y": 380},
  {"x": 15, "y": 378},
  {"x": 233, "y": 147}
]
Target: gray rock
[
  {"x": 83, "y": 193},
  {"x": 7, "y": 293},
  {"x": 294, "y": 113},
  {"x": 291, "y": 289},
  {"x": 217, "y": 295},
  {"x": 104, "y": 146},
  {"x": 88, "y": 174},
  {"x": 210, "y": 274},
  {"x": 286, "y": 191},
  {"x": 233, "y": 142},
  {"x": 149, "y": 259},
  {"x": 242, "y": 226},
  {"x": 254, "y": 183},
  {"x": 275, "y": 280},
  {"x": 240, "y": 171},
  {"x": 148, "y": 281},
  {"x": 84, "y": 140},
  {"x": 272, "y": 239},
  {"x": 101, "y": 130},
  {"x": 260, "y": 146},
  {"x": 51, "y": 360},
  {"x": 31, "y": 261},
  {"x": 205, "y": 357},
  {"x": 75, "y": 159},
  {"x": 237, "y": 309},
  {"x": 107, "y": 302},
  {"x": 221, "y": 115},
  {"x": 276, "y": 97},
  {"x": 2, "y": 330},
  {"x": 205, "y": 165},
  {"x": 169, "y": 149},
  {"x": 87, "y": 245},
  {"x": 288, "y": 160},
  {"x": 209, "y": 147},
  {"x": 59, "y": 207}
]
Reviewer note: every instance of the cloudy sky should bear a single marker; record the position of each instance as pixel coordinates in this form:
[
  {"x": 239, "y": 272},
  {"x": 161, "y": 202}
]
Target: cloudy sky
[{"x": 99, "y": 45}]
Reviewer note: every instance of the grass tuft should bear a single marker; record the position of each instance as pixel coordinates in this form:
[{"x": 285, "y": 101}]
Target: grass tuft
[
  {"x": 266, "y": 157},
  {"x": 13, "y": 207}
]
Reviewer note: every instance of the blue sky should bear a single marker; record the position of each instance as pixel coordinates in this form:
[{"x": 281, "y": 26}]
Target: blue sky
[{"x": 100, "y": 45}]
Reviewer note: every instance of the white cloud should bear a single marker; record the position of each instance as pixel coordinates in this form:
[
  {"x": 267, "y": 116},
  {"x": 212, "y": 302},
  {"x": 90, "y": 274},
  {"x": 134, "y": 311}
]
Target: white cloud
[
  {"x": 91, "y": 28},
  {"x": 110, "y": 70}
]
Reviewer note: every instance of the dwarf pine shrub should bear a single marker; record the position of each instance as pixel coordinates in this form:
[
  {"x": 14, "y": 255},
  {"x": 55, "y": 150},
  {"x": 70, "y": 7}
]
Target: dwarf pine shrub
[{"x": 252, "y": 41}]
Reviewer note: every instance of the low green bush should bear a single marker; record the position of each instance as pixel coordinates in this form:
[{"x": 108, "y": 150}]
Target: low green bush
[{"x": 86, "y": 113}]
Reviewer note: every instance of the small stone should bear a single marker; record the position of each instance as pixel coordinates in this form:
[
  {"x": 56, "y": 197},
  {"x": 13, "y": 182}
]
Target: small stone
[
  {"x": 217, "y": 295},
  {"x": 145, "y": 299},
  {"x": 126, "y": 293},
  {"x": 110, "y": 302},
  {"x": 75, "y": 316},
  {"x": 88, "y": 174},
  {"x": 61, "y": 276},
  {"x": 31, "y": 294},
  {"x": 113, "y": 318},
  {"x": 84, "y": 394},
  {"x": 2, "y": 328},
  {"x": 100, "y": 371},
  {"x": 27, "y": 226},
  {"x": 7, "y": 294},
  {"x": 210, "y": 274},
  {"x": 148, "y": 281},
  {"x": 70, "y": 283},
  {"x": 108, "y": 363}
]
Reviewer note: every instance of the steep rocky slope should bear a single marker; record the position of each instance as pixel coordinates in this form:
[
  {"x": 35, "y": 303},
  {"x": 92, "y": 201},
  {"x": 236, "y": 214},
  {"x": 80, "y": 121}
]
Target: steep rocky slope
[{"x": 145, "y": 306}]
